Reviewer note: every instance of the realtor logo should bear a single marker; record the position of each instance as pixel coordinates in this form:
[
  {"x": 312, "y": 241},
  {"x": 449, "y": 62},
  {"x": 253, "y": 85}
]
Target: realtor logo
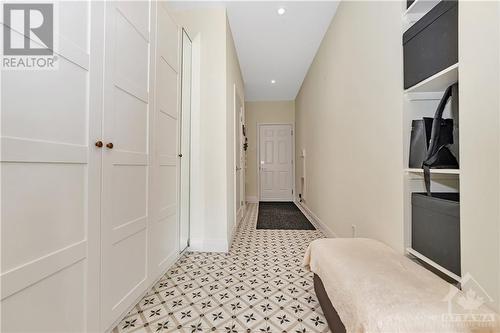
[
  {"x": 469, "y": 306},
  {"x": 28, "y": 36}
]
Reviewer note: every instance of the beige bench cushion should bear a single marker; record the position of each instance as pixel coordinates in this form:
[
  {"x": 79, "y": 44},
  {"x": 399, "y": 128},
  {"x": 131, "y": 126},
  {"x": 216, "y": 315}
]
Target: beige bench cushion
[{"x": 375, "y": 289}]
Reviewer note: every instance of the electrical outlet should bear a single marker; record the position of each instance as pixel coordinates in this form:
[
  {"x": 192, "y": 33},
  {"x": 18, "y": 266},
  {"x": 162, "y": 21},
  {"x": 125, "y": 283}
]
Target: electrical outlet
[{"x": 353, "y": 230}]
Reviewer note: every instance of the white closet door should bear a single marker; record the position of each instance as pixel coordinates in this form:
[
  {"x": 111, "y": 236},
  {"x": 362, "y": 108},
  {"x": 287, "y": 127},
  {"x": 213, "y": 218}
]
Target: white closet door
[
  {"x": 125, "y": 189},
  {"x": 50, "y": 180},
  {"x": 164, "y": 228}
]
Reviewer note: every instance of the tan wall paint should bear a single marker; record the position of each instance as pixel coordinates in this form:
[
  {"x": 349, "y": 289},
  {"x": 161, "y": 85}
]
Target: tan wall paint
[
  {"x": 479, "y": 76},
  {"x": 262, "y": 112},
  {"x": 348, "y": 119}
]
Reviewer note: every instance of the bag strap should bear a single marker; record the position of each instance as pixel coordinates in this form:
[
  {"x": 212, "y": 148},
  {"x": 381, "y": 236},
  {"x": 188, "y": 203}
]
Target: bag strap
[
  {"x": 436, "y": 126},
  {"x": 433, "y": 149},
  {"x": 427, "y": 179}
]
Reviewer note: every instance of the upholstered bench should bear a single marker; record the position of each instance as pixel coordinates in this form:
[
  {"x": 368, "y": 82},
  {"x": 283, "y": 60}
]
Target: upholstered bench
[{"x": 365, "y": 286}]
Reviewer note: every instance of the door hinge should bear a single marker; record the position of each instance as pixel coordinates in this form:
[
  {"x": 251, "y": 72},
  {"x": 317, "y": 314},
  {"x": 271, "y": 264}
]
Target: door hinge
[
  {"x": 291, "y": 131},
  {"x": 292, "y": 191}
]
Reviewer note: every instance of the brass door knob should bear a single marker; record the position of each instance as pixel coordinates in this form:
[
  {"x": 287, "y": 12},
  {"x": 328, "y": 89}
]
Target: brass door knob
[
  {"x": 109, "y": 145},
  {"x": 98, "y": 144}
]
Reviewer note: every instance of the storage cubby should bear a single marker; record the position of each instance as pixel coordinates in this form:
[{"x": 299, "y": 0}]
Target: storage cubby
[{"x": 421, "y": 100}]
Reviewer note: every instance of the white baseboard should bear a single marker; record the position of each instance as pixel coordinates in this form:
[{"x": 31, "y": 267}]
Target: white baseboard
[
  {"x": 315, "y": 220},
  {"x": 208, "y": 245},
  {"x": 252, "y": 199}
]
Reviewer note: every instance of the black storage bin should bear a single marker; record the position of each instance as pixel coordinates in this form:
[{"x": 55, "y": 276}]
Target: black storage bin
[
  {"x": 431, "y": 44},
  {"x": 435, "y": 228}
]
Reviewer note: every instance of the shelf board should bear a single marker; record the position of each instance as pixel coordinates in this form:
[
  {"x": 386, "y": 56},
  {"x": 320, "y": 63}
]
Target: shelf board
[
  {"x": 435, "y": 171},
  {"x": 421, "y": 7},
  {"x": 436, "y": 83},
  {"x": 433, "y": 264}
]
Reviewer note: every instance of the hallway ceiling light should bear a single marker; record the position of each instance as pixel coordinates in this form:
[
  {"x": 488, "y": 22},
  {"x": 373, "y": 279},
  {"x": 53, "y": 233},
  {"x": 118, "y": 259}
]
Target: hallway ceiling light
[
  {"x": 281, "y": 11},
  {"x": 273, "y": 81}
]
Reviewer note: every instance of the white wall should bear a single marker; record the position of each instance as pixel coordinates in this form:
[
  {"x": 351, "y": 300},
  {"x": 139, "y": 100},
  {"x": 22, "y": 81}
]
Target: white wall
[
  {"x": 479, "y": 57},
  {"x": 262, "y": 112},
  {"x": 215, "y": 71},
  {"x": 234, "y": 80},
  {"x": 348, "y": 119}
]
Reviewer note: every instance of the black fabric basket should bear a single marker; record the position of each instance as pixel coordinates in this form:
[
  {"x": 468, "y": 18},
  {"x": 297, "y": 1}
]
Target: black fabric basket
[
  {"x": 431, "y": 44},
  {"x": 435, "y": 228}
]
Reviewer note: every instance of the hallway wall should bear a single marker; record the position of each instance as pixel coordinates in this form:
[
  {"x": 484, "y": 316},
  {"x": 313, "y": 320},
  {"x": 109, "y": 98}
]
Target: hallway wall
[
  {"x": 234, "y": 80},
  {"x": 348, "y": 120},
  {"x": 262, "y": 112},
  {"x": 208, "y": 175},
  {"x": 215, "y": 72}
]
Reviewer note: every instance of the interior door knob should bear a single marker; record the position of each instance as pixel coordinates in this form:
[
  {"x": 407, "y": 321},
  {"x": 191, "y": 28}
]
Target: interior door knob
[
  {"x": 109, "y": 145},
  {"x": 98, "y": 144},
  {"x": 180, "y": 155}
]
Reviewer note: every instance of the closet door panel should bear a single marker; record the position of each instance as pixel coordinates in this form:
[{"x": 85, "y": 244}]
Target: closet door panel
[
  {"x": 164, "y": 229},
  {"x": 41, "y": 230},
  {"x": 49, "y": 167},
  {"x": 46, "y": 115},
  {"x": 126, "y": 164}
]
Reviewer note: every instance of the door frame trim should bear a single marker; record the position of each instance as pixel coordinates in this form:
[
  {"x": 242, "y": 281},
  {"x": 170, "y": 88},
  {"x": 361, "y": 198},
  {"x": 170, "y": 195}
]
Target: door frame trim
[
  {"x": 257, "y": 159},
  {"x": 183, "y": 32}
]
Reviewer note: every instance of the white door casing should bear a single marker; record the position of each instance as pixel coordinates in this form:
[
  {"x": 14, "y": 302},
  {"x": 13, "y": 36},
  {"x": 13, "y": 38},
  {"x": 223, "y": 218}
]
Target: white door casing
[
  {"x": 164, "y": 231},
  {"x": 185, "y": 142},
  {"x": 51, "y": 182},
  {"x": 239, "y": 154},
  {"x": 275, "y": 165},
  {"x": 125, "y": 167}
]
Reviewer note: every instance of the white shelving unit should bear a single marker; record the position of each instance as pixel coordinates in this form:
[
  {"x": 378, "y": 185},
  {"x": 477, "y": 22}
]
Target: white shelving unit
[
  {"x": 428, "y": 261},
  {"x": 421, "y": 100},
  {"x": 415, "y": 12},
  {"x": 435, "y": 171},
  {"x": 436, "y": 83},
  {"x": 421, "y": 7}
]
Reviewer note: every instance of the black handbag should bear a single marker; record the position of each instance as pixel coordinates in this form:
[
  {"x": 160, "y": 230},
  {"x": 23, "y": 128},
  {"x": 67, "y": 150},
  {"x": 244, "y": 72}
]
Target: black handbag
[
  {"x": 419, "y": 141},
  {"x": 439, "y": 155}
]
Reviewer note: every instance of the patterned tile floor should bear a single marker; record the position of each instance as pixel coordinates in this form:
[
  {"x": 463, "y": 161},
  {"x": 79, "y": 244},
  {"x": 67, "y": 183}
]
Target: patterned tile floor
[{"x": 259, "y": 286}]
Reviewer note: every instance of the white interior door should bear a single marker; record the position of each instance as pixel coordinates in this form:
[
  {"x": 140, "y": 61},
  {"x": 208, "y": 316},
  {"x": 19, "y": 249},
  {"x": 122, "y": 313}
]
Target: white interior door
[
  {"x": 185, "y": 140},
  {"x": 242, "y": 161},
  {"x": 275, "y": 162},
  {"x": 125, "y": 175},
  {"x": 238, "y": 157},
  {"x": 50, "y": 185}
]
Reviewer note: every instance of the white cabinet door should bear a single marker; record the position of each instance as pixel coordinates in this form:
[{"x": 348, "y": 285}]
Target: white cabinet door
[
  {"x": 50, "y": 182},
  {"x": 276, "y": 171},
  {"x": 164, "y": 230},
  {"x": 125, "y": 188}
]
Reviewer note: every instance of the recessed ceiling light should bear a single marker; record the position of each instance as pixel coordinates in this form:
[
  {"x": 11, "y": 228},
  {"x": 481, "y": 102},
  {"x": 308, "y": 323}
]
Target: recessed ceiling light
[
  {"x": 273, "y": 81},
  {"x": 281, "y": 11}
]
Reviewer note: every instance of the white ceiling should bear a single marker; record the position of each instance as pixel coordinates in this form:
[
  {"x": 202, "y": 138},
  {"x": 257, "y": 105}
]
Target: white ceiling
[{"x": 274, "y": 47}]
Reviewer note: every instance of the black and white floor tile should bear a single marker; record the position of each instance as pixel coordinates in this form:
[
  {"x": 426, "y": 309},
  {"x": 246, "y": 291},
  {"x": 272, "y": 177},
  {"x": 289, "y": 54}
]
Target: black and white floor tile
[{"x": 259, "y": 286}]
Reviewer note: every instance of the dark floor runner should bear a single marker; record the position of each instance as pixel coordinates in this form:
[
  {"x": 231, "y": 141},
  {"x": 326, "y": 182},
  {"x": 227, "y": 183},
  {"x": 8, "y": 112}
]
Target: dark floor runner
[{"x": 282, "y": 215}]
